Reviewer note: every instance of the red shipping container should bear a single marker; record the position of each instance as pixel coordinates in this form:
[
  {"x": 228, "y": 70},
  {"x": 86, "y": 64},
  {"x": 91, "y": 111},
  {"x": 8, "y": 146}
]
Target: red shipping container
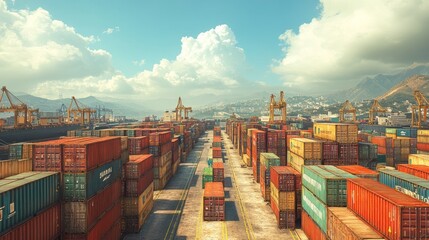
[
  {"x": 217, "y": 139},
  {"x": 285, "y": 219},
  {"x": 138, "y": 165},
  {"x": 80, "y": 216},
  {"x": 218, "y": 172},
  {"x": 85, "y": 155},
  {"x": 46, "y": 225},
  {"x": 217, "y": 152},
  {"x": 329, "y": 150},
  {"x": 48, "y": 155},
  {"x": 135, "y": 187},
  {"x": 360, "y": 171},
  {"x": 310, "y": 228},
  {"x": 159, "y": 138},
  {"x": 348, "y": 153},
  {"x": 393, "y": 214},
  {"x": 285, "y": 178},
  {"x": 423, "y": 147},
  {"x": 265, "y": 183},
  {"x": 214, "y": 202},
  {"x": 102, "y": 228},
  {"x": 421, "y": 171}
]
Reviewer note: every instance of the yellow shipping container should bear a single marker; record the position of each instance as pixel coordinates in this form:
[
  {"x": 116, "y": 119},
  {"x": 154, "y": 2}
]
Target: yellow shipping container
[
  {"x": 339, "y": 132},
  {"x": 422, "y": 139},
  {"x": 246, "y": 160},
  {"x": 423, "y": 132},
  {"x": 132, "y": 206},
  {"x": 13, "y": 166},
  {"x": 284, "y": 200},
  {"x": 297, "y": 162},
  {"x": 306, "y": 148},
  {"x": 391, "y": 135},
  {"x": 418, "y": 159}
]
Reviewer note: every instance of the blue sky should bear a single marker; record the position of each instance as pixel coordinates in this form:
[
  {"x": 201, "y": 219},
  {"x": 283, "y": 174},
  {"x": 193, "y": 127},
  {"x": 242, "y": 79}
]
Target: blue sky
[
  {"x": 205, "y": 51},
  {"x": 151, "y": 30}
]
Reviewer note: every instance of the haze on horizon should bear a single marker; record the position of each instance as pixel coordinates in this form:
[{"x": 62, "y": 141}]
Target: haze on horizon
[{"x": 151, "y": 53}]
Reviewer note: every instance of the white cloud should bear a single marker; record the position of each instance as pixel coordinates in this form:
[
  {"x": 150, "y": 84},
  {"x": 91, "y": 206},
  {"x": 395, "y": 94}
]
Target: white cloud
[
  {"x": 353, "y": 39},
  {"x": 139, "y": 63},
  {"x": 111, "y": 30}
]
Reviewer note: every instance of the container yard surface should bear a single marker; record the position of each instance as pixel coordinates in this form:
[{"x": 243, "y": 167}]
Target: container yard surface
[{"x": 178, "y": 209}]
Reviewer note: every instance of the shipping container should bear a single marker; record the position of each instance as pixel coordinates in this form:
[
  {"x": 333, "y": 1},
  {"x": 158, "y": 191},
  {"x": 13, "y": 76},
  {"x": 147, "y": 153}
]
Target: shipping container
[
  {"x": 283, "y": 200},
  {"x": 218, "y": 172},
  {"x": 217, "y": 152},
  {"x": 315, "y": 208},
  {"x": 46, "y": 225},
  {"x": 286, "y": 219},
  {"x": 133, "y": 224},
  {"x": 285, "y": 178},
  {"x": 82, "y": 186},
  {"x": 214, "y": 202},
  {"x": 138, "y": 165},
  {"x": 393, "y": 214},
  {"x": 80, "y": 216},
  {"x": 328, "y": 186},
  {"x": 17, "y": 193},
  {"x": 13, "y": 166},
  {"x": 207, "y": 176},
  {"x": 329, "y": 152},
  {"x": 310, "y": 228},
  {"x": 297, "y": 162},
  {"x": 418, "y": 159},
  {"x": 134, "y": 187},
  {"x": 131, "y": 206},
  {"x": 306, "y": 148},
  {"x": 360, "y": 171},
  {"x": 344, "y": 224},
  {"x": 408, "y": 184},
  {"x": 338, "y": 132},
  {"x": 420, "y": 171}
]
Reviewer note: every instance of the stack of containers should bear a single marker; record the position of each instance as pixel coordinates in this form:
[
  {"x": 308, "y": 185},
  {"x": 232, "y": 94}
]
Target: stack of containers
[
  {"x": 347, "y": 137},
  {"x": 391, "y": 133},
  {"x": 207, "y": 175},
  {"x": 175, "y": 153},
  {"x": 217, "y": 131},
  {"x": 258, "y": 147},
  {"x": 214, "y": 202},
  {"x": 249, "y": 145},
  {"x": 377, "y": 203},
  {"x": 22, "y": 216},
  {"x": 368, "y": 154},
  {"x": 160, "y": 148},
  {"x": 217, "y": 152},
  {"x": 273, "y": 141},
  {"x": 401, "y": 149},
  {"x": 138, "y": 145},
  {"x": 21, "y": 151},
  {"x": 243, "y": 140},
  {"x": 411, "y": 185},
  {"x": 138, "y": 200},
  {"x": 360, "y": 171},
  {"x": 304, "y": 151},
  {"x": 92, "y": 187},
  {"x": 385, "y": 148},
  {"x": 217, "y": 142},
  {"x": 421, "y": 171},
  {"x": 218, "y": 172},
  {"x": 423, "y": 141},
  {"x": 323, "y": 187},
  {"x": 267, "y": 161},
  {"x": 330, "y": 153},
  {"x": 310, "y": 228},
  {"x": 14, "y": 166},
  {"x": 285, "y": 193}
]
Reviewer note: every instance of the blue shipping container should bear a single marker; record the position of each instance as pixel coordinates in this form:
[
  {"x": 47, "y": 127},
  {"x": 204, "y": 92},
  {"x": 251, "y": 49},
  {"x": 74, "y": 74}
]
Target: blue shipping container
[
  {"x": 24, "y": 195},
  {"x": 406, "y": 183},
  {"x": 82, "y": 186}
]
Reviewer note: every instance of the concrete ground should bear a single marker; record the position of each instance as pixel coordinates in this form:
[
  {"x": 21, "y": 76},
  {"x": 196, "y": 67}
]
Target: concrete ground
[{"x": 178, "y": 209}]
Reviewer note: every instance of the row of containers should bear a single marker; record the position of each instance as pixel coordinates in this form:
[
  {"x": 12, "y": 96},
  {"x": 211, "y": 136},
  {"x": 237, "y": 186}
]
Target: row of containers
[
  {"x": 213, "y": 182},
  {"x": 349, "y": 201},
  {"x": 87, "y": 187}
]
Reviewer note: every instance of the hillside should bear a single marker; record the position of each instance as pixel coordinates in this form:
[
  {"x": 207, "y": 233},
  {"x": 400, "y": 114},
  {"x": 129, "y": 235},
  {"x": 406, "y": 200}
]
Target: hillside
[{"x": 407, "y": 87}]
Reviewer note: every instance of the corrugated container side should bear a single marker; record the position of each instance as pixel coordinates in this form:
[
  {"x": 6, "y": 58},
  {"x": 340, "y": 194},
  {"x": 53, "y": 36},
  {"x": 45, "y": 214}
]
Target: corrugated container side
[
  {"x": 283, "y": 200},
  {"x": 418, "y": 159},
  {"x": 12, "y": 167},
  {"x": 420, "y": 171},
  {"x": 360, "y": 171},
  {"x": 315, "y": 208},
  {"x": 310, "y": 228},
  {"x": 344, "y": 224},
  {"x": 46, "y": 225},
  {"x": 297, "y": 162}
]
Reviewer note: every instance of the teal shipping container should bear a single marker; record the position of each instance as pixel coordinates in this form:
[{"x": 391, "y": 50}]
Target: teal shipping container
[
  {"x": 407, "y": 132},
  {"x": 24, "y": 195},
  {"x": 315, "y": 208},
  {"x": 327, "y": 183},
  {"x": 15, "y": 151},
  {"x": 411, "y": 185},
  {"x": 82, "y": 186},
  {"x": 269, "y": 159},
  {"x": 381, "y": 158}
]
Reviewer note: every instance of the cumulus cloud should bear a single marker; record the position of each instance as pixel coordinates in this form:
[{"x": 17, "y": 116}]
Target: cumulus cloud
[
  {"x": 111, "y": 30},
  {"x": 353, "y": 39}
]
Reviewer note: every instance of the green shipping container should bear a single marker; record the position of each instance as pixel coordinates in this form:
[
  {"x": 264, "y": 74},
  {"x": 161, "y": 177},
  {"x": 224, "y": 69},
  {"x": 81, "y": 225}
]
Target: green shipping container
[
  {"x": 82, "y": 186},
  {"x": 269, "y": 159},
  {"x": 391, "y": 130},
  {"x": 24, "y": 195},
  {"x": 207, "y": 175},
  {"x": 328, "y": 183},
  {"x": 210, "y": 162},
  {"x": 315, "y": 208}
]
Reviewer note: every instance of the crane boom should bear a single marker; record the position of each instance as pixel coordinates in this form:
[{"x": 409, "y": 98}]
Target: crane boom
[
  {"x": 347, "y": 108},
  {"x": 375, "y": 108},
  {"x": 419, "y": 111}
]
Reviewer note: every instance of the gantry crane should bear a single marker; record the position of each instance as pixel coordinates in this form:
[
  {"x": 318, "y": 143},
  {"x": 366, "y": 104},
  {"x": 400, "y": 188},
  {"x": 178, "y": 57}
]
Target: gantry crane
[
  {"x": 23, "y": 115},
  {"x": 347, "y": 108},
  {"x": 78, "y": 113},
  {"x": 419, "y": 111},
  {"x": 179, "y": 108},
  {"x": 281, "y": 105},
  {"x": 375, "y": 108}
]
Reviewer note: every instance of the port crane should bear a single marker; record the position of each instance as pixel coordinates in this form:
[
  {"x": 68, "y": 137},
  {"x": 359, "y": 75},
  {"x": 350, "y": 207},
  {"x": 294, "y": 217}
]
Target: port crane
[
  {"x": 419, "y": 111},
  {"x": 281, "y": 105},
  {"x": 23, "y": 115},
  {"x": 375, "y": 108},
  {"x": 78, "y": 113},
  {"x": 345, "y": 109},
  {"x": 179, "y": 108}
]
